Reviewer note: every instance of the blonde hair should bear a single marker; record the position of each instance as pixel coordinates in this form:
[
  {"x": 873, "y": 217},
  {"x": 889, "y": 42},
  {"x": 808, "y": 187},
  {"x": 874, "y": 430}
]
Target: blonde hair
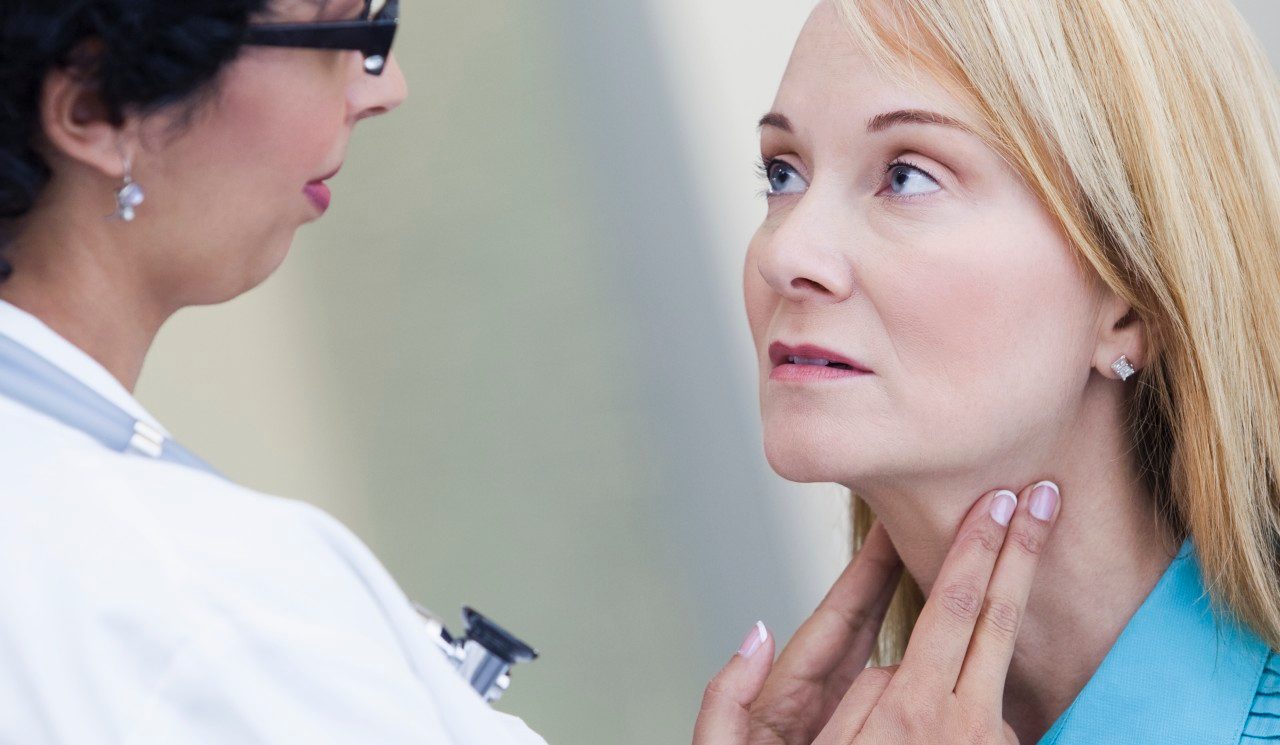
[{"x": 1150, "y": 129}]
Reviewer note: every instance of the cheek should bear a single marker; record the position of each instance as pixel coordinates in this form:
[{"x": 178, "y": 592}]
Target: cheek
[
  {"x": 992, "y": 327},
  {"x": 274, "y": 123},
  {"x": 948, "y": 320},
  {"x": 759, "y": 298},
  {"x": 234, "y": 176},
  {"x": 283, "y": 129}
]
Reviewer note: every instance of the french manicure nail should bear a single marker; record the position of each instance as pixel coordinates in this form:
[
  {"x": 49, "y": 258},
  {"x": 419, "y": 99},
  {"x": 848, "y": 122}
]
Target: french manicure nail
[
  {"x": 1044, "y": 500},
  {"x": 1002, "y": 506},
  {"x": 755, "y": 637}
]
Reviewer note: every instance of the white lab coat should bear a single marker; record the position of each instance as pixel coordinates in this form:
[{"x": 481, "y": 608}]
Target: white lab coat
[{"x": 146, "y": 602}]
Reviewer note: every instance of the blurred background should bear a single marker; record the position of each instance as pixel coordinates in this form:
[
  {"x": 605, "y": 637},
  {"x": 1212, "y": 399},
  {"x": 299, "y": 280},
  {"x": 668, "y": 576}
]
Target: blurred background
[{"x": 513, "y": 357}]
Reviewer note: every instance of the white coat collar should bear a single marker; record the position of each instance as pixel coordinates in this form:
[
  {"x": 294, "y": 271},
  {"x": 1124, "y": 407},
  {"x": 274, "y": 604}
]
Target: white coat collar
[{"x": 35, "y": 335}]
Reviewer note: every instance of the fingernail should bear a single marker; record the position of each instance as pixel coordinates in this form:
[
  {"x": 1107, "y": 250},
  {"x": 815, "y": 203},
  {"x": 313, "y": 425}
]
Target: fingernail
[
  {"x": 1002, "y": 506},
  {"x": 755, "y": 637},
  {"x": 1044, "y": 500}
]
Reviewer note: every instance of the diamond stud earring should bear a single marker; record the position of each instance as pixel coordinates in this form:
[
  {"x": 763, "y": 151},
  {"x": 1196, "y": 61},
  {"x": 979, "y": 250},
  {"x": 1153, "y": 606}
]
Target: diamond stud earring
[
  {"x": 129, "y": 196},
  {"x": 1123, "y": 367}
]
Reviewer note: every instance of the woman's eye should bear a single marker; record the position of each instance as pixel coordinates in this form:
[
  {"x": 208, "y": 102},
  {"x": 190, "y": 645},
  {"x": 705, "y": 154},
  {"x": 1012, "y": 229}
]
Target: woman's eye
[
  {"x": 782, "y": 178},
  {"x": 908, "y": 181}
]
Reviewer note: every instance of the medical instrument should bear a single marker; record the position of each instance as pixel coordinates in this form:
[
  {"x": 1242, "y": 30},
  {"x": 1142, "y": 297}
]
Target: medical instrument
[{"x": 484, "y": 654}]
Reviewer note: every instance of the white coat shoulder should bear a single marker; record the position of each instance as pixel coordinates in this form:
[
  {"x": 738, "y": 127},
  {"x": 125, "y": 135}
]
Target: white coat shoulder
[{"x": 152, "y": 603}]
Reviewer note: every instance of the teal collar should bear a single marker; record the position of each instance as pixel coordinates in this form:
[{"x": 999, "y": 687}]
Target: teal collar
[{"x": 1173, "y": 675}]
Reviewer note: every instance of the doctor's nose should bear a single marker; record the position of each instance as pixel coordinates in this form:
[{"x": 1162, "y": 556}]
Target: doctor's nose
[
  {"x": 374, "y": 95},
  {"x": 802, "y": 259}
]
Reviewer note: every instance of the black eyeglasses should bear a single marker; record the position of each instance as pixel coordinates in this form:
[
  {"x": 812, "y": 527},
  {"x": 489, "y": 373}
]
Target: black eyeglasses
[{"x": 371, "y": 34}]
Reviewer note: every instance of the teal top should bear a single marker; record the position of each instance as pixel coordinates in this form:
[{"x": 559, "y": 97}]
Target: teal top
[{"x": 1178, "y": 675}]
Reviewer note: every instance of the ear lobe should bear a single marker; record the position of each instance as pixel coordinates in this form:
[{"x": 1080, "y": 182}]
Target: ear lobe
[
  {"x": 1123, "y": 332},
  {"x": 77, "y": 127}
]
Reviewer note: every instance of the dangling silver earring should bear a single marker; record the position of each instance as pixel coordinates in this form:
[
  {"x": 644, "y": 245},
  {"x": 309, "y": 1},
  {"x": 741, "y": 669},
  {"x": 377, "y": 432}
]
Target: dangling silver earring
[
  {"x": 129, "y": 196},
  {"x": 1123, "y": 367}
]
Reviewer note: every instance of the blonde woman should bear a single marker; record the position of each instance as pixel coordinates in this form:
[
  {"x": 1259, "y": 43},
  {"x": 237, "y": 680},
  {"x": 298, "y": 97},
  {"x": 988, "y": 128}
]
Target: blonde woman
[{"x": 1010, "y": 242}]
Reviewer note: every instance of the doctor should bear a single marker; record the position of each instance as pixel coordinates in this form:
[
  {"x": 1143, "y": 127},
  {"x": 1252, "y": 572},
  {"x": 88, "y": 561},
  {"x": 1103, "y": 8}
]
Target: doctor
[{"x": 156, "y": 154}]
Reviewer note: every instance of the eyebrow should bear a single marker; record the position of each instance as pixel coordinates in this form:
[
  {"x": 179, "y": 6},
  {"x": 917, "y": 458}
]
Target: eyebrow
[
  {"x": 774, "y": 119},
  {"x": 879, "y": 122}
]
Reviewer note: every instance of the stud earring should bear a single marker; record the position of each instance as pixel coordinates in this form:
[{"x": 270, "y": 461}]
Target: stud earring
[
  {"x": 129, "y": 196},
  {"x": 1123, "y": 367}
]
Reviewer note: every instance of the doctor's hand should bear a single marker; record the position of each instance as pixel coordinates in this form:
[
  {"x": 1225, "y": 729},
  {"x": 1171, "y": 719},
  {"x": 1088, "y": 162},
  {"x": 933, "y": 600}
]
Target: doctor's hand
[{"x": 950, "y": 685}]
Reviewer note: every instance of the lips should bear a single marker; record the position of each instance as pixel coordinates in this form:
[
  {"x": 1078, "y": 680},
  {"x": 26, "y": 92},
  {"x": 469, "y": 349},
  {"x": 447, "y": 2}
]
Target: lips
[
  {"x": 809, "y": 355},
  {"x": 318, "y": 191},
  {"x": 319, "y": 195}
]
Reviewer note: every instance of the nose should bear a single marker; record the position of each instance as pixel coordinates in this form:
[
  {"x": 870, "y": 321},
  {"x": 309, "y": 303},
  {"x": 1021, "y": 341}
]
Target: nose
[
  {"x": 802, "y": 258},
  {"x": 373, "y": 95}
]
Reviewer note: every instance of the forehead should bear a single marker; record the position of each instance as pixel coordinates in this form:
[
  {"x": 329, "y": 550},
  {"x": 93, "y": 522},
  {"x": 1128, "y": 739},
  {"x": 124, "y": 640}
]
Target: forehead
[{"x": 830, "y": 77}]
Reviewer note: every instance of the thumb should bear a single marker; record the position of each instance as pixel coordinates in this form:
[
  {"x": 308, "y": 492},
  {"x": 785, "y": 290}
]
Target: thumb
[{"x": 724, "y": 717}]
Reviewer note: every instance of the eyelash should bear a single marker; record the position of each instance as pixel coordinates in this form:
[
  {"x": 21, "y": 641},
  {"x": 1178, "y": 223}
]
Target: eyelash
[
  {"x": 763, "y": 165},
  {"x": 762, "y": 171}
]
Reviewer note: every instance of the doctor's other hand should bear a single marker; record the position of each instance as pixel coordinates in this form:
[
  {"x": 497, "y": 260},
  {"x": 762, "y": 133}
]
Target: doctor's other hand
[{"x": 950, "y": 684}]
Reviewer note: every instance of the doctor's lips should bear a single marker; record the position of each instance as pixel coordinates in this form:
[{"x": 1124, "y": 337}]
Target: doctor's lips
[
  {"x": 807, "y": 362},
  {"x": 318, "y": 192}
]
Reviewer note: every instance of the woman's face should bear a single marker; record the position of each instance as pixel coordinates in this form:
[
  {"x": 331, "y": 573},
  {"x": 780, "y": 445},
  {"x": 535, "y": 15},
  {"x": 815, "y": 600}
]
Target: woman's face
[
  {"x": 226, "y": 193},
  {"x": 901, "y": 243}
]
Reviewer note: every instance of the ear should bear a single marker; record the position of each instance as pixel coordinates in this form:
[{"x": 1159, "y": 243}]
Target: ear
[
  {"x": 78, "y": 127},
  {"x": 1121, "y": 332}
]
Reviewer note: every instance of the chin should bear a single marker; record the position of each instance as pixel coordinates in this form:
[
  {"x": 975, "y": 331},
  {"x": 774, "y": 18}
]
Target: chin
[
  {"x": 810, "y": 441},
  {"x": 272, "y": 258},
  {"x": 254, "y": 270},
  {"x": 264, "y": 263},
  {"x": 806, "y": 460}
]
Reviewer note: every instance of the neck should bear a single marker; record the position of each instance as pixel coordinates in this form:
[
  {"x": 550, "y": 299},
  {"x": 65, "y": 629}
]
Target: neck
[
  {"x": 86, "y": 290},
  {"x": 1106, "y": 553}
]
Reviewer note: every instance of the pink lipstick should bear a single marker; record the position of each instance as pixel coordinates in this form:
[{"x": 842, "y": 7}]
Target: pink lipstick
[
  {"x": 318, "y": 193},
  {"x": 807, "y": 362}
]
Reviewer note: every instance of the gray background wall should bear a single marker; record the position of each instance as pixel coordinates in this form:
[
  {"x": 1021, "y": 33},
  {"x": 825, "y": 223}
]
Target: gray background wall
[{"x": 512, "y": 356}]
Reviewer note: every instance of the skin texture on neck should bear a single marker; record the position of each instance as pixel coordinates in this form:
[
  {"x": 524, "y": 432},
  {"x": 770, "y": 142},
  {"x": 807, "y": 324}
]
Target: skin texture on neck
[
  {"x": 74, "y": 272},
  {"x": 1107, "y": 551}
]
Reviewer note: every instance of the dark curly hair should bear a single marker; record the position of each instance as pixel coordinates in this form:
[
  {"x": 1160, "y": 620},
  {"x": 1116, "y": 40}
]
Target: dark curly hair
[{"x": 141, "y": 55}]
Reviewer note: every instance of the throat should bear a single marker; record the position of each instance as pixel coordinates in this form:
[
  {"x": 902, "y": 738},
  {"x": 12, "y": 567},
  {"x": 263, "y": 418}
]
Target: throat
[{"x": 1107, "y": 552}]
